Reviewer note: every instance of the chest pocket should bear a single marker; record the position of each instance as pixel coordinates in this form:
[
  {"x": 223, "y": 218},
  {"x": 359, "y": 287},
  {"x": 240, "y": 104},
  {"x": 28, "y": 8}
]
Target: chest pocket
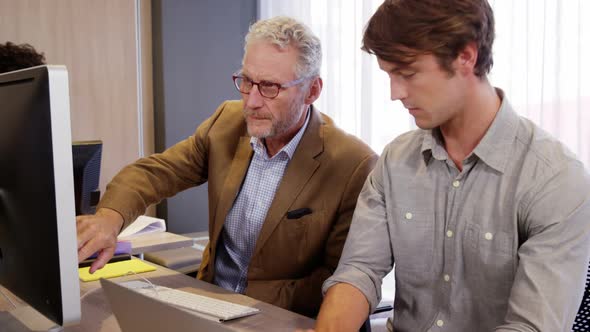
[
  {"x": 490, "y": 255},
  {"x": 413, "y": 240},
  {"x": 295, "y": 245}
]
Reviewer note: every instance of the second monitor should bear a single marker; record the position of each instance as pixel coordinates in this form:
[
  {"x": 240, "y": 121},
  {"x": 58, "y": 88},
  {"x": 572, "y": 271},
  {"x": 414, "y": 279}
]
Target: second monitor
[{"x": 86, "y": 158}]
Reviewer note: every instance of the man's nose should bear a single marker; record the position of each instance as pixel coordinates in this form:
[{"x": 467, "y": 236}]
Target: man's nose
[
  {"x": 254, "y": 99},
  {"x": 398, "y": 89}
]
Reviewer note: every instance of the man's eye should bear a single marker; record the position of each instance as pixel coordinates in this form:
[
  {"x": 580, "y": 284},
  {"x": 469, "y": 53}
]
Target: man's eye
[
  {"x": 407, "y": 74},
  {"x": 267, "y": 84},
  {"x": 245, "y": 82}
]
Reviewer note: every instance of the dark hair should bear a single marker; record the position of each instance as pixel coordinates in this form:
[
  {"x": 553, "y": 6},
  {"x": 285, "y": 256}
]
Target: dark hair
[
  {"x": 14, "y": 57},
  {"x": 400, "y": 30}
]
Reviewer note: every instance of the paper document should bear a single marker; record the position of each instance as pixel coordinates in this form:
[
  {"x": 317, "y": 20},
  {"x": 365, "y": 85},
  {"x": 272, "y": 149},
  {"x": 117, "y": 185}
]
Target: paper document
[{"x": 143, "y": 225}]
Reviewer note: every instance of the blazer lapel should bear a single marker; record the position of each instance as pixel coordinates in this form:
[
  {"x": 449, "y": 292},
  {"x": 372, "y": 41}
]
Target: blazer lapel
[
  {"x": 297, "y": 174},
  {"x": 232, "y": 184}
]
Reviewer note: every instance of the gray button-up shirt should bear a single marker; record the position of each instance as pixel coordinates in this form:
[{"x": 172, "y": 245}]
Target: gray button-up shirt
[{"x": 503, "y": 245}]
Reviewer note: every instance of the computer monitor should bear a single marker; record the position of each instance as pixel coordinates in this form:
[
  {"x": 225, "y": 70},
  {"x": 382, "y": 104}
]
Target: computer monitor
[
  {"x": 38, "y": 245},
  {"x": 87, "y": 156}
]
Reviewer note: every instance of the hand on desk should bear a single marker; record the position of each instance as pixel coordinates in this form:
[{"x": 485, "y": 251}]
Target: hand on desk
[{"x": 98, "y": 233}]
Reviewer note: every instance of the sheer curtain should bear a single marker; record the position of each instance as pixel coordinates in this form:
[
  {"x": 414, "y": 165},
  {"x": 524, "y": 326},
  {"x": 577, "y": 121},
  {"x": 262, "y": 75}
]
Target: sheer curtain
[{"x": 541, "y": 57}]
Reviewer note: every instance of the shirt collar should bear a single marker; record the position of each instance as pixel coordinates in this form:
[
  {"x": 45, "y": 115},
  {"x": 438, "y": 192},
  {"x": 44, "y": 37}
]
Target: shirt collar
[
  {"x": 493, "y": 149},
  {"x": 289, "y": 149},
  {"x": 432, "y": 145}
]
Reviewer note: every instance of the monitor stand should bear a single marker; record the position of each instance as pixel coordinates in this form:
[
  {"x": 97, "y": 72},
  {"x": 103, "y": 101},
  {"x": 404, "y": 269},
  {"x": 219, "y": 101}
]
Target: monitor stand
[{"x": 24, "y": 319}]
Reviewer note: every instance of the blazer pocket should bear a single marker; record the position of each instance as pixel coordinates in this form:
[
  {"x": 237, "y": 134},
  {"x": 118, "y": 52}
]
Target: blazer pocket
[
  {"x": 306, "y": 235},
  {"x": 295, "y": 246},
  {"x": 315, "y": 237},
  {"x": 298, "y": 213}
]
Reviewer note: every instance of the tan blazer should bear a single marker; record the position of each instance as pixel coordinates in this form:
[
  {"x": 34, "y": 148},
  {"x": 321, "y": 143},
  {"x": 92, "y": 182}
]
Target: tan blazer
[{"x": 292, "y": 257}]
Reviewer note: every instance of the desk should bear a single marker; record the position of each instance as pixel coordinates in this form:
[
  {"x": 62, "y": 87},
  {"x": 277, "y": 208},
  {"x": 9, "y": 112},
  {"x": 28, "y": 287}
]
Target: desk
[
  {"x": 97, "y": 315},
  {"x": 157, "y": 241}
]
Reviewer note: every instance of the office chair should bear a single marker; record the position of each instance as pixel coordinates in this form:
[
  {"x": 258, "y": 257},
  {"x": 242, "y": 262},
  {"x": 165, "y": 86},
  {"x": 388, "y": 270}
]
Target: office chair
[
  {"x": 582, "y": 322},
  {"x": 366, "y": 326}
]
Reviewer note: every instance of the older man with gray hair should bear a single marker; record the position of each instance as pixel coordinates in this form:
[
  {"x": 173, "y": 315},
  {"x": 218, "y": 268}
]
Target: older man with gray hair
[{"x": 283, "y": 180}]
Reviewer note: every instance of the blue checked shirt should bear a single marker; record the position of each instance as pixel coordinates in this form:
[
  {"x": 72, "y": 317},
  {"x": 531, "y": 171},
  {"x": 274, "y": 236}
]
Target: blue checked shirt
[{"x": 245, "y": 219}]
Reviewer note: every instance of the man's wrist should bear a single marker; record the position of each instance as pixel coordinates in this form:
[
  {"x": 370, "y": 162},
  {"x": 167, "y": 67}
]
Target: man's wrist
[{"x": 113, "y": 216}]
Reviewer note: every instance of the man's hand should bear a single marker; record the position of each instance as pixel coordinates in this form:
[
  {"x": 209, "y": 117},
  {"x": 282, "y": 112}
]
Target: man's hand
[{"x": 98, "y": 233}]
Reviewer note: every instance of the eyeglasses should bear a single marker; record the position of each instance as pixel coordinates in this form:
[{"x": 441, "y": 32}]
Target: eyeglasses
[{"x": 267, "y": 89}]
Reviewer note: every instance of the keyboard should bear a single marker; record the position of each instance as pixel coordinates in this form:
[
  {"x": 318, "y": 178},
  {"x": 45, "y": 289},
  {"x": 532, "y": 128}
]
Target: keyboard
[{"x": 212, "y": 308}]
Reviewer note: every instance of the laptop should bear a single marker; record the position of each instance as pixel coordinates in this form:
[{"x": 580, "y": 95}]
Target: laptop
[{"x": 136, "y": 312}]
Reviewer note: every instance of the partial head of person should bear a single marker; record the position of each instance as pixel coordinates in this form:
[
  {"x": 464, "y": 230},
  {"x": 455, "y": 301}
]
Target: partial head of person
[
  {"x": 15, "y": 57},
  {"x": 435, "y": 52},
  {"x": 279, "y": 77}
]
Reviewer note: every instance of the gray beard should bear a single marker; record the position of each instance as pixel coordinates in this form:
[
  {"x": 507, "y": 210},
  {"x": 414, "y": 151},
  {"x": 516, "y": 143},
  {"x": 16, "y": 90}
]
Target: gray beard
[{"x": 278, "y": 128}]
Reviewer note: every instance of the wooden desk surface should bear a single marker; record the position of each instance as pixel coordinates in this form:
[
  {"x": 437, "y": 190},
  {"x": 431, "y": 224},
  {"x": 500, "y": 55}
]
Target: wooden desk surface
[
  {"x": 158, "y": 241},
  {"x": 97, "y": 315}
]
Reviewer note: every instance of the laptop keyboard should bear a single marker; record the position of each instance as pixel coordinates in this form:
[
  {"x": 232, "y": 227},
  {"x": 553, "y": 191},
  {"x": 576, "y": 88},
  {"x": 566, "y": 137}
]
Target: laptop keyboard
[{"x": 218, "y": 309}]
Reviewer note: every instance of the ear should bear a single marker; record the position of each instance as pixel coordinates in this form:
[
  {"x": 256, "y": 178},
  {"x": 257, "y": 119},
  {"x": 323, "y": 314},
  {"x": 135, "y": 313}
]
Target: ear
[
  {"x": 467, "y": 58},
  {"x": 314, "y": 90}
]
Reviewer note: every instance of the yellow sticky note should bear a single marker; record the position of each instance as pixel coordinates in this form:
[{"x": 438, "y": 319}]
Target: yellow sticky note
[{"x": 116, "y": 269}]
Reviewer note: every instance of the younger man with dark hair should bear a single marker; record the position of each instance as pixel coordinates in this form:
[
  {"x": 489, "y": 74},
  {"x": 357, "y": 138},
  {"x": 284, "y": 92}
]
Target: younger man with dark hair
[{"x": 485, "y": 216}]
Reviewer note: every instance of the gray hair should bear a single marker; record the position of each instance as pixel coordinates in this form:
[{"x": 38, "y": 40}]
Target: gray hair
[{"x": 284, "y": 31}]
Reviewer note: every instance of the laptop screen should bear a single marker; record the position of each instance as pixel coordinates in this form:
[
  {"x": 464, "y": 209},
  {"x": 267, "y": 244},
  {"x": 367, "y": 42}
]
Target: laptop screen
[{"x": 136, "y": 312}]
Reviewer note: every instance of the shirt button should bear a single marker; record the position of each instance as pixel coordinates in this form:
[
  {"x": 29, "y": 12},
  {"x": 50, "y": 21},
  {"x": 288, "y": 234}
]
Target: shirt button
[
  {"x": 488, "y": 236},
  {"x": 447, "y": 277},
  {"x": 440, "y": 323},
  {"x": 409, "y": 215},
  {"x": 456, "y": 184},
  {"x": 449, "y": 233}
]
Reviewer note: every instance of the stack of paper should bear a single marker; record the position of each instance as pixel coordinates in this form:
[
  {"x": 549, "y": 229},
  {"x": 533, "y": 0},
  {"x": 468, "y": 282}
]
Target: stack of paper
[{"x": 143, "y": 225}]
